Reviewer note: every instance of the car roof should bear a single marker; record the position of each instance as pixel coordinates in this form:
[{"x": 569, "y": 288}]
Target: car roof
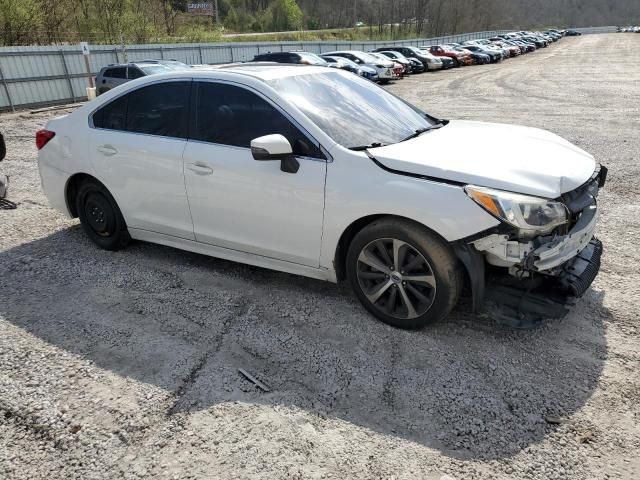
[
  {"x": 353, "y": 52},
  {"x": 260, "y": 70},
  {"x": 143, "y": 63}
]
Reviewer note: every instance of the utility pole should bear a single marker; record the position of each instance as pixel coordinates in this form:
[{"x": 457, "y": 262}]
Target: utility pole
[
  {"x": 355, "y": 12},
  {"x": 217, "y": 13}
]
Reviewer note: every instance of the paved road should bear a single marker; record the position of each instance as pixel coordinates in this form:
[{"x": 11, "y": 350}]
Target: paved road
[{"x": 125, "y": 365}]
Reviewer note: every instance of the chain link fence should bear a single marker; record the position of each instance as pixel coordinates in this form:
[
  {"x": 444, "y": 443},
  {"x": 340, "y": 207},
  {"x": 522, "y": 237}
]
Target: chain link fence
[{"x": 35, "y": 76}]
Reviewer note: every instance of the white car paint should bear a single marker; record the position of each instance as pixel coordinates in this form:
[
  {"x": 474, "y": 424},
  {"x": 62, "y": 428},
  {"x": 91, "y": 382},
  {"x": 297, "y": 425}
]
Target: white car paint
[
  {"x": 217, "y": 200},
  {"x": 525, "y": 160}
]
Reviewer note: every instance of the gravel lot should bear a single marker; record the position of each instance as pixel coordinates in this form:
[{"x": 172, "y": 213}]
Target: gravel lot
[{"x": 125, "y": 365}]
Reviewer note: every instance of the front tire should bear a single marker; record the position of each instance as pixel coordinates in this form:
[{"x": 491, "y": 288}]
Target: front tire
[
  {"x": 100, "y": 216},
  {"x": 403, "y": 274}
]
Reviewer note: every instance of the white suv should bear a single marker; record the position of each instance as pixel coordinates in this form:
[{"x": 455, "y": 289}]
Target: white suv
[{"x": 320, "y": 173}]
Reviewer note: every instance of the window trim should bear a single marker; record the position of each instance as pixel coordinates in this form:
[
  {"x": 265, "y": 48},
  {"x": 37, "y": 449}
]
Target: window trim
[
  {"x": 165, "y": 80},
  {"x": 193, "y": 108}
]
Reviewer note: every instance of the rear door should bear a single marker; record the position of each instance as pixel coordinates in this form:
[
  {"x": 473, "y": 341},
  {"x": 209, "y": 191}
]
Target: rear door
[{"x": 136, "y": 148}]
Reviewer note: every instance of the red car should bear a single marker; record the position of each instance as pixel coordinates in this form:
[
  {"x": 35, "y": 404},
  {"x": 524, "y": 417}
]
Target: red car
[{"x": 459, "y": 58}]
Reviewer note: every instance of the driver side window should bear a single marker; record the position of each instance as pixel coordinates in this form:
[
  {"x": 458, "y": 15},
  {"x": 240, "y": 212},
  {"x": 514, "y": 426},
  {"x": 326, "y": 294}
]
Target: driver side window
[{"x": 230, "y": 115}]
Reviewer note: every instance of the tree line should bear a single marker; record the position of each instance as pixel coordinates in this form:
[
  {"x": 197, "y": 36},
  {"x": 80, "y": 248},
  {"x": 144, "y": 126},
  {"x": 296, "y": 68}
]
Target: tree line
[{"x": 139, "y": 21}]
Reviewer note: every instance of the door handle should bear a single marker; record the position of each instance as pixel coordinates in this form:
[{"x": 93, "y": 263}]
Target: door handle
[
  {"x": 200, "y": 168},
  {"x": 107, "y": 150}
]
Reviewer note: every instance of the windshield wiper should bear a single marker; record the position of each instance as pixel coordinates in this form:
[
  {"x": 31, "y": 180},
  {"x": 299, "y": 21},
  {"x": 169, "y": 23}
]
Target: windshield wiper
[
  {"x": 420, "y": 131},
  {"x": 367, "y": 147}
]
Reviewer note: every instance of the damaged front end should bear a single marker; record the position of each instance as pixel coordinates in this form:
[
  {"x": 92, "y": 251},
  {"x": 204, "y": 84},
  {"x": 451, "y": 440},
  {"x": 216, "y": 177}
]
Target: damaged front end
[{"x": 541, "y": 258}]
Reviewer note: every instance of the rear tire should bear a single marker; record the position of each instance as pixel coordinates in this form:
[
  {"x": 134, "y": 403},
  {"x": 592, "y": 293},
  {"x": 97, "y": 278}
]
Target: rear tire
[
  {"x": 403, "y": 274},
  {"x": 100, "y": 216}
]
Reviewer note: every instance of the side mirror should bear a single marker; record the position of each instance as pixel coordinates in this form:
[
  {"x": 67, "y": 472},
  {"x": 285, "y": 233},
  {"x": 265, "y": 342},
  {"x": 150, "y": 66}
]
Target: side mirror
[{"x": 275, "y": 147}]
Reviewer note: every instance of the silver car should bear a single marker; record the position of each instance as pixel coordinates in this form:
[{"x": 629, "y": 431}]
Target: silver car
[{"x": 118, "y": 73}]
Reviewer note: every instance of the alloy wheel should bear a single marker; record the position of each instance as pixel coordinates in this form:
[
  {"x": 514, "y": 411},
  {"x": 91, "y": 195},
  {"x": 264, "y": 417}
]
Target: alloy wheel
[{"x": 396, "y": 278}]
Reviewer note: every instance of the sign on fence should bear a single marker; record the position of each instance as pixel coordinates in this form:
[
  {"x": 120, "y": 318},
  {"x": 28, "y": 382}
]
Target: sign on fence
[
  {"x": 200, "y": 9},
  {"x": 84, "y": 46}
]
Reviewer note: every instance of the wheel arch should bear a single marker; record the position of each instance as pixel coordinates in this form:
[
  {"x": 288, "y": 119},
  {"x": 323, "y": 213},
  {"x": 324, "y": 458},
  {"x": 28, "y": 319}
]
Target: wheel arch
[
  {"x": 356, "y": 226},
  {"x": 71, "y": 190}
]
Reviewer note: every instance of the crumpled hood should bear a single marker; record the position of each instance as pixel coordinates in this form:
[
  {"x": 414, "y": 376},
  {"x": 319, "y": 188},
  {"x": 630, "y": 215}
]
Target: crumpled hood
[{"x": 507, "y": 157}]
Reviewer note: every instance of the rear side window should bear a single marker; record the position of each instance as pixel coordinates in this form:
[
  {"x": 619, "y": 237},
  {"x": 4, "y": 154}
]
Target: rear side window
[
  {"x": 134, "y": 72},
  {"x": 120, "y": 72},
  {"x": 159, "y": 109},
  {"x": 230, "y": 115},
  {"x": 113, "y": 115}
]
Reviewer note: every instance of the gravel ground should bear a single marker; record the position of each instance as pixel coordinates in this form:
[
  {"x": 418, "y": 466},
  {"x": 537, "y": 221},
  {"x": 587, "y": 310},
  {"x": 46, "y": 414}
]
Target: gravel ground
[{"x": 125, "y": 365}]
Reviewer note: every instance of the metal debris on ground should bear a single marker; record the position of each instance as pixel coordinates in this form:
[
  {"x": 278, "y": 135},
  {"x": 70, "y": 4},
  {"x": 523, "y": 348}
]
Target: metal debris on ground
[{"x": 254, "y": 380}]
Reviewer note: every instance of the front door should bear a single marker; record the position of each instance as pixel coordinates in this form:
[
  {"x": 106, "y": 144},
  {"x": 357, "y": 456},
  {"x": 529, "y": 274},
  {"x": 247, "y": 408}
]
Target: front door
[{"x": 243, "y": 204}]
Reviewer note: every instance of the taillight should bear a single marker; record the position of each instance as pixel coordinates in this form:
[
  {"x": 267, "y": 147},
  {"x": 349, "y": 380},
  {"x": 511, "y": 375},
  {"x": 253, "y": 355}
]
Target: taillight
[{"x": 43, "y": 137}]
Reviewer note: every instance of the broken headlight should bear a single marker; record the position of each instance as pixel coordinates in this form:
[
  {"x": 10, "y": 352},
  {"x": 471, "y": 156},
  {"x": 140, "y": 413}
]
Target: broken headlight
[{"x": 531, "y": 215}]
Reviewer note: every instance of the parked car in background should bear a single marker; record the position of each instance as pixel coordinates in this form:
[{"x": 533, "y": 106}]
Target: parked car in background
[
  {"x": 341, "y": 63},
  {"x": 574, "y": 33},
  {"x": 479, "y": 58},
  {"x": 493, "y": 55},
  {"x": 445, "y": 51},
  {"x": 294, "y": 57},
  {"x": 447, "y": 62},
  {"x": 384, "y": 68},
  {"x": 526, "y": 46},
  {"x": 415, "y": 65},
  {"x": 346, "y": 64},
  {"x": 400, "y": 69},
  {"x": 513, "y": 50},
  {"x": 172, "y": 64},
  {"x": 317, "y": 172},
  {"x": 118, "y": 73},
  {"x": 537, "y": 41},
  {"x": 429, "y": 61}
]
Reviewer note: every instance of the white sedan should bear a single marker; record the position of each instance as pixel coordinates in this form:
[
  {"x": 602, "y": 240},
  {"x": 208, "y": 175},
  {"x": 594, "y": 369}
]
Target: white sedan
[{"x": 320, "y": 173}]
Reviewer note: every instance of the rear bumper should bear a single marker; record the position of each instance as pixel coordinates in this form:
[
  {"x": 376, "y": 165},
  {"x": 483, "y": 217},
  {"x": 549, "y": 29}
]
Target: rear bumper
[{"x": 54, "y": 183}]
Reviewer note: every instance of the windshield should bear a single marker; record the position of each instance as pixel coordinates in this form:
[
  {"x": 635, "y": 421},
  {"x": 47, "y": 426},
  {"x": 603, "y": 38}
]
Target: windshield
[
  {"x": 312, "y": 59},
  {"x": 352, "y": 111},
  {"x": 344, "y": 61},
  {"x": 367, "y": 57},
  {"x": 175, "y": 65},
  {"x": 153, "y": 69}
]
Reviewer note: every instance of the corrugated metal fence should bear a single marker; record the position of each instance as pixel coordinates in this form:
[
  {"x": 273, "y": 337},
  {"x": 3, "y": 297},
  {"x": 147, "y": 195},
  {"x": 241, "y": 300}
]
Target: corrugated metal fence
[{"x": 50, "y": 75}]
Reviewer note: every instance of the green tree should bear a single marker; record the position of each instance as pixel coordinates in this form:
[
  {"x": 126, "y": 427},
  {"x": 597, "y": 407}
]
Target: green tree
[
  {"x": 18, "y": 20},
  {"x": 285, "y": 15}
]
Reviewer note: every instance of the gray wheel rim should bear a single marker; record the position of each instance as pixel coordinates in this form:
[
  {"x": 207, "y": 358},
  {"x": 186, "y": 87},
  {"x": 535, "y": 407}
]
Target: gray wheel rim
[{"x": 396, "y": 278}]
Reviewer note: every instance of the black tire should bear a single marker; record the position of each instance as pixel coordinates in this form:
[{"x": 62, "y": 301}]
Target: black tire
[
  {"x": 100, "y": 216},
  {"x": 438, "y": 262}
]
